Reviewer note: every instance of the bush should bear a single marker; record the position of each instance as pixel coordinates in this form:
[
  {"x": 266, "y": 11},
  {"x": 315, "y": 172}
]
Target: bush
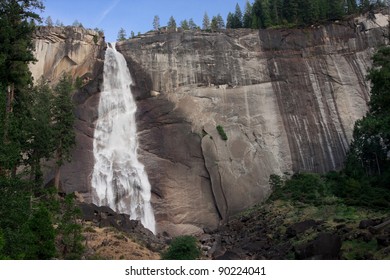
[
  {"x": 42, "y": 236},
  {"x": 222, "y": 133},
  {"x": 182, "y": 248},
  {"x": 70, "y": 230}
]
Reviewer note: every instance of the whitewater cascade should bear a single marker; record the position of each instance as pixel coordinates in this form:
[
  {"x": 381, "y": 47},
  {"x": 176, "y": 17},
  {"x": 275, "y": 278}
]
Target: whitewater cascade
[{"x": 119, "y": 180}]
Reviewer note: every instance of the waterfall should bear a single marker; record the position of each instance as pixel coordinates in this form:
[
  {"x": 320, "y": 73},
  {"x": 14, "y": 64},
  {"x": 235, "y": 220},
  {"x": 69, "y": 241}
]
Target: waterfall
[{"x": 119, "y": 180}]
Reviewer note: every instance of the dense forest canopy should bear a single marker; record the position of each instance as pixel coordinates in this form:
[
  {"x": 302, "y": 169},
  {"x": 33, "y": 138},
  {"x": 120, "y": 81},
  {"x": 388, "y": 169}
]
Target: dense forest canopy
[{"x": 273, "y": 13}]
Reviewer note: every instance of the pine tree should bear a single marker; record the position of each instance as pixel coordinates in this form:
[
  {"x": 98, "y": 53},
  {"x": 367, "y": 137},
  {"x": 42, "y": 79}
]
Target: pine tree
[
  {"x": 40, "y": 132},
  {"x": 206, "y": 22},
  {"x": 172, "y": 23},
  {"x": 156, "y": 23},
  {"x": 184, "y": 25},
  {"x": 121, "y": 35},
  {"x": 17, "y": 25},
  {"x": 76, "y": 23},
  {"x": 191, "y": 24},
  {"x": 371, "y": 136},
  {"x": 237, "y": 17},
  {"x": 220, "y": 22},
  {"x": 49, "y": 21},
  {"x": 214, "y": 23},
  {"x": 247, "y": 19},
  {"x": 63, "y": 120},
  {"x": 230, "y": 21}
]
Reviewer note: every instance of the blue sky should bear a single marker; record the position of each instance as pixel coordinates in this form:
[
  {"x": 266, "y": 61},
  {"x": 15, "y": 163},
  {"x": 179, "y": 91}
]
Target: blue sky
[{"x": 134, "y": 15}]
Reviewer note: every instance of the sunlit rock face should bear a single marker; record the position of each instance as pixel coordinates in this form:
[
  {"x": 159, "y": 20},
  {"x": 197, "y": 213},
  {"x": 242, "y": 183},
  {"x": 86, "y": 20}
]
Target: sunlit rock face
[
  {"x": 80, "y": 53},
  {"x": 287, "y": 100}
]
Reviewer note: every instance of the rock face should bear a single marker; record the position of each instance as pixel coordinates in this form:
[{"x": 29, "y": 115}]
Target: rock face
[
  {"x": 287, "y": 100},
  {"x": 80, "y": 53}
]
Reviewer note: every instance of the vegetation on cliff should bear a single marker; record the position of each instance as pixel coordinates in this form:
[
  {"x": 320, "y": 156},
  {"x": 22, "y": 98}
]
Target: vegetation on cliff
[
  {"x": 276, "y": 13},
  {"x": 279, "y": 13},
  {"x": 36, "y": 124}
]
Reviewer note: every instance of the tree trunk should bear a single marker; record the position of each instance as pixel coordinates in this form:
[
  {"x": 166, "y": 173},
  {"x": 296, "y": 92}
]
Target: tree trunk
[
  {"x": 57, "y": 178},
  {"x": 10, "y": 98}
]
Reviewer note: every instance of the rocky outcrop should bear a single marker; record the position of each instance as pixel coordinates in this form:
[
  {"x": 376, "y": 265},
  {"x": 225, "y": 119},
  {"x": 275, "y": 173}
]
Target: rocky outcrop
[
  {"x": 287, "y": 100},
  {"x": 80, "y": 53}
]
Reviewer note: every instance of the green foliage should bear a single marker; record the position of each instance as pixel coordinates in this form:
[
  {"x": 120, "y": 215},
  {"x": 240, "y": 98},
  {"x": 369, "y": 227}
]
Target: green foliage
[
  {"x": 184, "y": 25},
  {"x": 222, "y": 133},
  {"x": 16, "y": 31},
  {"x": 121, "y": 35},
  {"x": 70, "y": 230},
  {"x": 95, "y": 39},
  {"x": 217, "y": 22},
  {"x": 191, "y": 24},
  {"x": 156, "y": 23},
  {"x": 333, "y": 187},
  {"x": 272, "y": 13},
  {"x": 172, "y": 23},
  {"x": 358, "y": 249},
  {"x": 206, "y": 22},
  {"x": 2, "y": 243},
  {"x": 63, "y": 119},
  {"x": 14, "y": 216},
  {"x": 182, "y": 248},
  {"x": 39, "y": 144},
  {"x": 302, "y": 187},
  {"x": 368, "y": 155},
  {"x": 42, "y": 235}
]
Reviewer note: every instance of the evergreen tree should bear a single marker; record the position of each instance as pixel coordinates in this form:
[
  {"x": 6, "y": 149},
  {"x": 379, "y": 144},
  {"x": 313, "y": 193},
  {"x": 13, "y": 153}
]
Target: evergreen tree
[
  {"x": 172, "y": 23},
  {"x": 238, "y": 17},
  {"x": 70, "y": 230},
  {"x": 43, "y": 236},
  {"x": 214, "y": 23},
  {"x": 220, "y": 22},
  {"x": 40, "y": 132},
  {"x": 230, "y": 20},
  {"x": 63, "y": 120},
  {"x": 206, "y": 22},
  {"x": 121, "y": 35},
  {"x": 49, "y": 21},
  {"x": 59, "y": 23},
  {"x": 191, "y": 24},
  {"x": 17, "y": 25},
  {"x": 371, "y": 136},
  {"x": 156, "y": 23},
  {"x": 217, "y": 22},
  {"x": 336, "y": 9},
  {"x": 184, "y": 25},
  {"x": 76, "y": 23},
  {"x": 247, "y": 19}
]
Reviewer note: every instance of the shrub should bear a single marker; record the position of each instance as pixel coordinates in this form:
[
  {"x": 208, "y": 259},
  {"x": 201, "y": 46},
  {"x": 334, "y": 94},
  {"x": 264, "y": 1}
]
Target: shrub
[
  {"x": 182, "y": 248},
  {"x": 70, "y": 230},
  {"x": 222, "y": 133},
  {"x": 42, "y": 236}
]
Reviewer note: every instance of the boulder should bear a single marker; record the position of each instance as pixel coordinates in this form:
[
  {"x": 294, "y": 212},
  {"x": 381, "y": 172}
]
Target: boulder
[
  {"x": 299, "y": 228},
  {"x": 325, "y": 246}
]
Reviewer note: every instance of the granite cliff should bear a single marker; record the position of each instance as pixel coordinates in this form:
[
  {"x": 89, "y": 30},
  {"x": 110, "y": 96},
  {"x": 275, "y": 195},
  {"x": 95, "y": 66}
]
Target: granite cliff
[
  {"x": 287, "y": 100},
  {"x": 80, "y": 53}
]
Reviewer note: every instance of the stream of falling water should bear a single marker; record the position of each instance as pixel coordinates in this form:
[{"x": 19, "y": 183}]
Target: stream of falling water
[{"x": 119, "y": 180}]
